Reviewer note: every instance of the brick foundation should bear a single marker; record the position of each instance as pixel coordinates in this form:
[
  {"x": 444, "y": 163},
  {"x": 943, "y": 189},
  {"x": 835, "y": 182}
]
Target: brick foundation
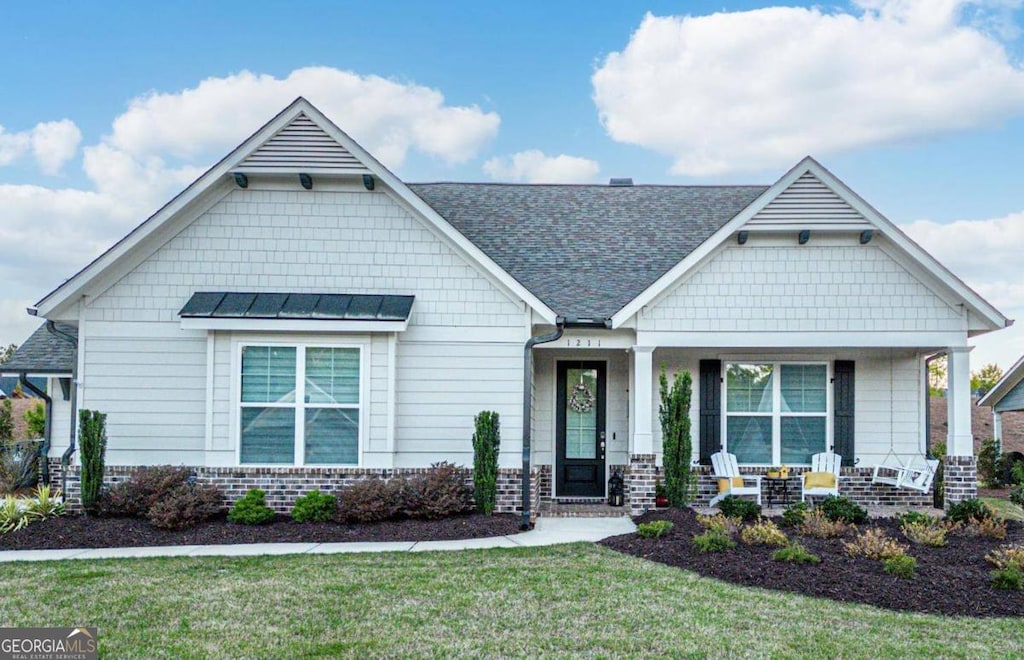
[
  {"x": 960, "y": 478},
  {"x": 284, "y": 485},
  {"x": 640, "y": 477},
  {"x": 854, "y": 483}
]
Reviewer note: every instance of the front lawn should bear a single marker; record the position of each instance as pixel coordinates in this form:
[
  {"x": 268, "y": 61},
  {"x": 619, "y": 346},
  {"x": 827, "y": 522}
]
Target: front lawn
[{"x": 564, "y": 600}]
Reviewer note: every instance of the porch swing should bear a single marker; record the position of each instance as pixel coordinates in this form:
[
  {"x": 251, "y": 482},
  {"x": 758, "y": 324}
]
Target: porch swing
[{"x": 909, "y": 476}]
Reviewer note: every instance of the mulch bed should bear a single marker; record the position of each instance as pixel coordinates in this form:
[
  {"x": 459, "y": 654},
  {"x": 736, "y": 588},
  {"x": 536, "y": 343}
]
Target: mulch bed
[
  {"x": 951, "y": 580},
  {"x": 90, "y": 532}
]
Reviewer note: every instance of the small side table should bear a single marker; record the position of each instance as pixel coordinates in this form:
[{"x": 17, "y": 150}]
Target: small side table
[{"x": 777, "y": 488}]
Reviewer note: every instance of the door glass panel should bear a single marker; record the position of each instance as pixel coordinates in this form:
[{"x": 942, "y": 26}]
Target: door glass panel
[{"x": 581, "y": 413}]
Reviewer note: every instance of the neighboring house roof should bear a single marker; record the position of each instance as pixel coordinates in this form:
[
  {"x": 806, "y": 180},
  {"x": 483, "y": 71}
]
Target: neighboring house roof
[
  {"x": 586, "y": 250},
  {"x": 44, "y": 353},
  {"x": 320, "y": 306},
  {"x": 1008, "y": 388}
]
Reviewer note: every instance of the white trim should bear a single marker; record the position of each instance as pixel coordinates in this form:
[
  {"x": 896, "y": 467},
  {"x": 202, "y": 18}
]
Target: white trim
[
  {"x": 37, "y": 374},
  {"x": 392, "y": 398},
  {"x": 291, "y": 325},
  {"x": 218, "y": 175},
  {"x": 364, "y": 347},
  {"x": 211, "y": 341},
  {"x": 795, "y": 340},
  {"x": 995, "y": 320},
  {"x": 776, "y": 413}
]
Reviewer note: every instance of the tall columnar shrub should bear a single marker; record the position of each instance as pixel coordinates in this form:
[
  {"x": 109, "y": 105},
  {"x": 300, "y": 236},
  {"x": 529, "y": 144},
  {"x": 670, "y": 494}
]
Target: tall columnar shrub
[
  {"x": 6, "y": 422},
  {"x": 92, "y": 439},
  {"x": 486, "y": 444},
  {"x": 677, "y": 447}
]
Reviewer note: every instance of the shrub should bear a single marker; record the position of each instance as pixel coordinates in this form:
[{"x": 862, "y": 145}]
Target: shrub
[
  {"x": 674, "y": 415},
  {"x": 1009, "y": 578},
  {"x": 92, "y": 436},
  {"x": 720, "y": 523},
  {"x": 816, "y": 524},
  {"x": 370, "y": 500},
  {"x": 44, "y": 504},
  {"x": 764, "y": 532},
  {"x": 314, "y": 506},
  {"x": 12, "y": 514},
  {"x": 35, "y": 421},
  {"x": 990, "y": 464},
  {"x": 655, "y": 529},
  {"x": 19, "y": 466},
  {"x": 712, "y": 542},
  {"x": 147, "y": 486},
  {"x": 991, "y": 528},
  {"x": 251, "y": 509},
  {"x": 917, "y": 517},
  {"x": 737, "y": 507},
  {"x": 902, "y": 566},
  {"x": 486, "y": 444},
  {"x": 794, "y": 514},
  {"x": 965, "y": 511},
  {"x": 874, "y": 544},
  {"x": 932, "y": 534},
  {"x": 6, "y": 422},
  {"x": 439, "y": 493},
  {"x": 795, "y": 554},
  {"x": 186, "y": 506},
  {"x": 1007, "y": 555},
  {"x": 1017, "y": 495},
  {"x": 843, "y": 509}
]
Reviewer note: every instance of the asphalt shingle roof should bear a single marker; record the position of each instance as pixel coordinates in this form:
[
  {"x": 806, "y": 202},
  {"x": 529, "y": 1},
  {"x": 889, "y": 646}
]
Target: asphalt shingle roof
[
  {"x": 43, "y": 353},
  {"x": 586, "y": 250}
]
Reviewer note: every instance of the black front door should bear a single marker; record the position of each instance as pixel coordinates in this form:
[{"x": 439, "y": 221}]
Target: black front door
[{"x": 579, "y": 430}]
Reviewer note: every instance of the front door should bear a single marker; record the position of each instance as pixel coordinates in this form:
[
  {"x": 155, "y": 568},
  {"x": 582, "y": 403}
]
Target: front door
[{"x": 579, "y": 429}]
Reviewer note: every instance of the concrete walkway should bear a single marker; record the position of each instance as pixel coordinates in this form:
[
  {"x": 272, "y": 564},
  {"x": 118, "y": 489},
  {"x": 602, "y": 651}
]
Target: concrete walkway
[{"x": 548, "y": 531}]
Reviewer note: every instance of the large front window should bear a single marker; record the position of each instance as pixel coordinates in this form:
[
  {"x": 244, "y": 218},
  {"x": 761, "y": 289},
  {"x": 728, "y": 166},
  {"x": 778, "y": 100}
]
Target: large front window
[
  {"x": 299, "y": 405},
  {"x": 776, "y": 412}
]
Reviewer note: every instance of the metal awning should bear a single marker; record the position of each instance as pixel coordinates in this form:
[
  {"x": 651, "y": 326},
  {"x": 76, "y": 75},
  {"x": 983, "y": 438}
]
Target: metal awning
[{"x": 343, "y": 312}]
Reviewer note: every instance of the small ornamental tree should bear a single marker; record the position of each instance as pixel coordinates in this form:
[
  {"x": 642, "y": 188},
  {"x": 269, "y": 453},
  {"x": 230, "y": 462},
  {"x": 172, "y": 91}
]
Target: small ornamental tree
[
  {"x": 486, "y": 444},
  {"x": 92, "y": 439},
  {"x": 6, "y": 422},
  {"x": 35, "y": 422},
  {"x": 677, "y": 447}
]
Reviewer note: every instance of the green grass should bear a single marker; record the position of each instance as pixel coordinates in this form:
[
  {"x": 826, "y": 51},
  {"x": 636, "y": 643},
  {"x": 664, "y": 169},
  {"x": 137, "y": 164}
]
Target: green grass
[
  {"x": 1004, "y": 508},
  {"x": 565, "y": 600}
]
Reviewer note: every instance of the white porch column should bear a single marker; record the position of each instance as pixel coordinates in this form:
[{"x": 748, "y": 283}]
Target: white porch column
[
  {"x": 959, "y": 441},
  {"x": 997, "y": 429},
  {"x": 643, "y": 377}
]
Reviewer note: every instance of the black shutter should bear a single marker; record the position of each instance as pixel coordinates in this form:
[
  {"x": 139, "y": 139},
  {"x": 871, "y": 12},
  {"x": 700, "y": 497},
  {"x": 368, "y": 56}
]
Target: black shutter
[
  {"x": 710, "y": 409},
  {"x": 842, "y": 431}
]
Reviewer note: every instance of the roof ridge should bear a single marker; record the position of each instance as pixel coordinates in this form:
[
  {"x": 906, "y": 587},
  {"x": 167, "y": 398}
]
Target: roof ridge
[{"x": 586, "y": 185}]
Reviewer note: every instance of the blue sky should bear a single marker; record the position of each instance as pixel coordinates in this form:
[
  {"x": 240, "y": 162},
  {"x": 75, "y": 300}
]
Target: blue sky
[{"x": 918, "y": 105}]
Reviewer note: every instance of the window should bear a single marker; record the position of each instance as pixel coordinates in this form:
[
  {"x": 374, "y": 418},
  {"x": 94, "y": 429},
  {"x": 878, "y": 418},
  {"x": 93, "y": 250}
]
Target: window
[
  {"x": 299, "y": 405},
  {"x": 775, "y": 412}
]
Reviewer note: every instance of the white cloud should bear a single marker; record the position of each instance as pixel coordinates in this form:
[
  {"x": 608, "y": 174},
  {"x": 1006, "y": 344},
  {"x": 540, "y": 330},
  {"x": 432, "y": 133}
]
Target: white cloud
[
  {"x": 745, "y": 91},
  {"x": 986, "y": 255},
  {"x": 52, "y": 144},
  {"x": 15, "y": 324},
  {"x": 533, "y": 166}
]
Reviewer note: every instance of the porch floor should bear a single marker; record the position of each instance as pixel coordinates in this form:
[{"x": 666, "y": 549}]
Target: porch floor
[{"x": 873, "y": 511}]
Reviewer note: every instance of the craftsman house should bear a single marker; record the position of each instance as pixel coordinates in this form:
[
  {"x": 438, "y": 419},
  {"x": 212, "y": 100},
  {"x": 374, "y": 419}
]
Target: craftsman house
[{"x": 299, "y": 317}]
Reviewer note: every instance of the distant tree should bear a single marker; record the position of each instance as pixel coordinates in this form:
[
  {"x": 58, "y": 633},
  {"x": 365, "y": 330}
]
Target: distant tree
[
  {"x": 985, "y": 378},
  {"x": 937, "y": 376},
  {"x": 6, "y": 353}
]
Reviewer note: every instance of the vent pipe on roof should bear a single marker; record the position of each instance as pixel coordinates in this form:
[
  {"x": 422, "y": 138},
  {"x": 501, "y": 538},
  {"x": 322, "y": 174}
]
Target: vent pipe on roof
[{"x": 620, "y": 183}]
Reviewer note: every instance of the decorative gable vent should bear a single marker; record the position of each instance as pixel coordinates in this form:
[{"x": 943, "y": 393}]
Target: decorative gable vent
[
  {"x": 302, "y": 146},
  {"x": 806, "y": 202}
]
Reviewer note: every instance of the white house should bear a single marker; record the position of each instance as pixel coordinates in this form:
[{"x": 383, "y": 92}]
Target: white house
[{"x": 299, "y": 317}]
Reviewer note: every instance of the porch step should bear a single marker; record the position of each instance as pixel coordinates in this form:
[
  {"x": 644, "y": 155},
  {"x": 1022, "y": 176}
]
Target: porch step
[{"x": 580, "y": 508}]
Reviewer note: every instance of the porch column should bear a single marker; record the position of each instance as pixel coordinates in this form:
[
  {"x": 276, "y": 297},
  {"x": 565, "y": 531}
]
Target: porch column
[
  {"x": 961, "y": 473},
  {"x": 997, "y": 429},
  {"x": 643, "y": 470}
]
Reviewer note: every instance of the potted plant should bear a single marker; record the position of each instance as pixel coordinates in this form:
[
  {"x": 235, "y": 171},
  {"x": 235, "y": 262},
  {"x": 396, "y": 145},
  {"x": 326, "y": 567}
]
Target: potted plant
[{"x": 660, "y": 495}]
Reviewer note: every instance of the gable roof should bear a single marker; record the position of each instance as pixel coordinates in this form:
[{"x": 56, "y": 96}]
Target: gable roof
[
  {"x": 44, "y": 353},
  {"x": 990, "y": 317},
  {"x": 1005, "y": 385},
  {"x": 586, "y": 250},
  {"x": 303, "y": 125}
]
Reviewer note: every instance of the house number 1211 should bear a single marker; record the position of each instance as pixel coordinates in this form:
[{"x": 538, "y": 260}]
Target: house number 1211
[{"x": 583, "y": 343}]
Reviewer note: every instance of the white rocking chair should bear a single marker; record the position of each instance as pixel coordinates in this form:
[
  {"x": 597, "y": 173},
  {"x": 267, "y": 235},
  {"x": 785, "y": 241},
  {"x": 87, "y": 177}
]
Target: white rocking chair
[
  {"x": 823, "y": 462},
  {"x": 726, "y": 467}
]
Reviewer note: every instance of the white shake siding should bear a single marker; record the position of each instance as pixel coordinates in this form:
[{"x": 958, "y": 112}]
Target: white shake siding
[{"x": 151, "y": 377}]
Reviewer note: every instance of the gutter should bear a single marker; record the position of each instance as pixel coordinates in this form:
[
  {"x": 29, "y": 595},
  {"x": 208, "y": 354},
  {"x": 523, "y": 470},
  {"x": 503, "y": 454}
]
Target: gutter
[
  {"x": 561, "y": 323},
  {"x": 44, "y": 450},
  {"x": 65, "y": 459}
]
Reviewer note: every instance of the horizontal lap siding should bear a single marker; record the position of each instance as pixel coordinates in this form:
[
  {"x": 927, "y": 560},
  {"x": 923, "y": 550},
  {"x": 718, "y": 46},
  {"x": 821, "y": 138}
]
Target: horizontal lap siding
[
  {"x": 60, "y": 419},
  {"x": 884, "y": 410},
  {"x": 441, "y": 387},
  {"x": 824, "y": 288}
]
